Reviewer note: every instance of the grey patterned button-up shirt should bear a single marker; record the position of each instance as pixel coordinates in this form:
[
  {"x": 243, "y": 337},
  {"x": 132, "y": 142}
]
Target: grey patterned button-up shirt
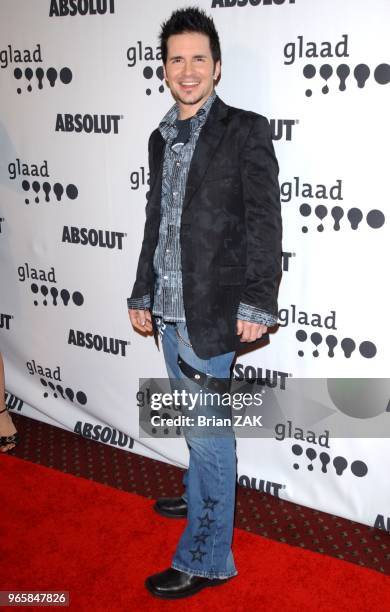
[{"x": 168, "y": 290}]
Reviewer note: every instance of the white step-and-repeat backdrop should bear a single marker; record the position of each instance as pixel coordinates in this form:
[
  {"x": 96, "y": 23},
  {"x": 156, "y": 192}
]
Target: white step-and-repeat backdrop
[{"x": 81, "y": 89}]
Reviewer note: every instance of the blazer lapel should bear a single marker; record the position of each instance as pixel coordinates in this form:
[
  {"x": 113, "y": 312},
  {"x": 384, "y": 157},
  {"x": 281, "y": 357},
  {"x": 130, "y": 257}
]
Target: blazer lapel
[
  {"x": 158, "y": 159},
  {"x": 208, "y": 141}
]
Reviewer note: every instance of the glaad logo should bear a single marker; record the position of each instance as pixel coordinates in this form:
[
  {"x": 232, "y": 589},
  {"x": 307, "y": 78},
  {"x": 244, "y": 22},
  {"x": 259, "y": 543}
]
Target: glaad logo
[
  {"x": 5, "y": 321},
  {"x": 367, "y": 348},
  {"x": 12, "y": 402},
  {"x": 139, "y": 178},
  {"x": 284, "y": 431},
  {"x": 58, "y": 296},
  {"x": 139, "y": 53},
  {"x": 297, "y": 189},
  {"x": 382, "y": 522},
  {"x": 88, "y": 340},
  {"x": 282, "y": 128},
  {"x": 17, "y": 169},
  {"x": 307, "y": 50},
  {"x": 239, "y": 3},
  {"x": 70, "y": 8},
  {"x": 264, "y": 486},
  {"x": 58, "y": 390},
  {"x": 357, "y": 467},
  {"x": 96, "y": 124},
  {"x": 103, "y": 434},
  {"x": 93, "y": 237},
  {"x": 11, "y": 56}
]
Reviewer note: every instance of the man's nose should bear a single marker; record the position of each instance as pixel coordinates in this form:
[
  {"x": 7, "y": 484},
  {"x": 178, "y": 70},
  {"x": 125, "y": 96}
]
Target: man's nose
[{"x": 187, "y": 68}]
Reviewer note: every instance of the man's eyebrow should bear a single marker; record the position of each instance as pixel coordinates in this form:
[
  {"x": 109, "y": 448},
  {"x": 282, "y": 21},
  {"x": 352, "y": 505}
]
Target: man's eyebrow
[{"x": 181, "y": 57}]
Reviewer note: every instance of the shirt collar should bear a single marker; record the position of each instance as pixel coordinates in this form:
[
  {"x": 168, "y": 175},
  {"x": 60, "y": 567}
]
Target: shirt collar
[{"x": 167, "y": 124}]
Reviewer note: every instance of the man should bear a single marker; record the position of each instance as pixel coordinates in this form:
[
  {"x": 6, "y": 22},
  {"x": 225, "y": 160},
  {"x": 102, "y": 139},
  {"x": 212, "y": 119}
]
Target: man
[{"x": 207, "y": 276}]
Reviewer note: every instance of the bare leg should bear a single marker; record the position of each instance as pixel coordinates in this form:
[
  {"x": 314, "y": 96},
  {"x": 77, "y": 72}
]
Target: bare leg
[{"x": 7, "y": 428}]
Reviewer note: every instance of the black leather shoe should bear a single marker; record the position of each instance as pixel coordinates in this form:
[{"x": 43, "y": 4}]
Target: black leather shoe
[
  {"x": 173, "y": 584},
  {"x": 172, "y": 507}
]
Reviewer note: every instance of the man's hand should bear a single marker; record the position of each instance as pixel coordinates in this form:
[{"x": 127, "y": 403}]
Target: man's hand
[
  {"x": 141, "y": 319},
  {"x": 250, "y": 331}
]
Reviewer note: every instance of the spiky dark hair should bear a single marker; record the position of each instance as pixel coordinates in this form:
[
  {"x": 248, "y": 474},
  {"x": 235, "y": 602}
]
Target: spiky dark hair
[{"x": 191, "y": 19}]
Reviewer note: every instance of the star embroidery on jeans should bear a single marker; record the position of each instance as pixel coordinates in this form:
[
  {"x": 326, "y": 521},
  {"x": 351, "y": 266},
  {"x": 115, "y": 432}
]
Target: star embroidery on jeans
[
  {"x": 208, "y": 504},
  {"x": 205, "y": 521},
  {"x": 201, "y": 537},
  {"x": 197, "y": 554}
]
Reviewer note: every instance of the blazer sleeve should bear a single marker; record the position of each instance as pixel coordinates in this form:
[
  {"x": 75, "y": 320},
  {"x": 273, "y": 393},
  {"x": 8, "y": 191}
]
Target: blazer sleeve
[
  {"x": 140, "y": 295},
  {"x": 261, "y": 195}
]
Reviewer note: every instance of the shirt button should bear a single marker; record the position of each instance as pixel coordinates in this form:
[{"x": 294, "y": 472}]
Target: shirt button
[
  {"x": 177, "y": 163},
  {"x": 165, "y": 278},
  {"x": 174, "y": 194}
]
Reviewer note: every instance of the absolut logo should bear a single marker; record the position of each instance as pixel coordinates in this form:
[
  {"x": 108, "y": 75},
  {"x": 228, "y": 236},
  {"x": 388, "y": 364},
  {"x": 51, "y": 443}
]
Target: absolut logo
[
  {"x": 140, "y": 53},
  {"x": 88, "y": 340},
  {"x": 330, "y": 216},
  {"x": 89, "y": 124},
  {"x": 264, "y": 486},
  {"x": 50, "y": 294},
  {"x": 70, "y": 8},
  {"x": 93, "y": 237},
  {"x": 382, "y": 522},
  {"x": 286, "y": 256},
  {"x": 260, "y": 376},
  {"x": 282, "y": 129},
  {"x": 12, "y": 402},
  {"x": 5, "y": 321},
  {"x": 104, "y": 434}
]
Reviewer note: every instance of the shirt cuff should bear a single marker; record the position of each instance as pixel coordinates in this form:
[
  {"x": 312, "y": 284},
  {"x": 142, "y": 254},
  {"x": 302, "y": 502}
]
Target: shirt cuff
[
  {"x": 142, "y": 303},
  {"x": 255, "y": 315}
]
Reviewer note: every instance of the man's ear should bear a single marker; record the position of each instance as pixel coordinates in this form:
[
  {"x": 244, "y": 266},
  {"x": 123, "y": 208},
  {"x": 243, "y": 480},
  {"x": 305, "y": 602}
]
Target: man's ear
[{"x": 217, "y": 69}]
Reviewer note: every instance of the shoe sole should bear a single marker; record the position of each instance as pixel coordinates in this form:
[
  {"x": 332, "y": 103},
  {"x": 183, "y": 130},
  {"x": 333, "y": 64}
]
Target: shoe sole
[
  {"x": 168, "y": 514},
  {"x": 150, "y": 588}
]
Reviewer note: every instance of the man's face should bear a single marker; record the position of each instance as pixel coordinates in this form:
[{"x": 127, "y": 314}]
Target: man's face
[{"x": 190, "y": 70}]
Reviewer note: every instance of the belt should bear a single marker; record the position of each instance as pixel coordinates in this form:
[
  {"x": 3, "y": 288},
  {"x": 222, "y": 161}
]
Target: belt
[{"x": 220, "y": 385}]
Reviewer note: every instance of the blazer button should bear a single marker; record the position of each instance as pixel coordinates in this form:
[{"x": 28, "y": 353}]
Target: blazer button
[{"x": 197, "y": 376}]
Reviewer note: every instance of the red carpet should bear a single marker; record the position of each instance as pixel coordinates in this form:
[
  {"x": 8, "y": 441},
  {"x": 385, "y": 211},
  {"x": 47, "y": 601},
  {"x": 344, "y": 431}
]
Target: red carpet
[{"x": 59, "y": 532}]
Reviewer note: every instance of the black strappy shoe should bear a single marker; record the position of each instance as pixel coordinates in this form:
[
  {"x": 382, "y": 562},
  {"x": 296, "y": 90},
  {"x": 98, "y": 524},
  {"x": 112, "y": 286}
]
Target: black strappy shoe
[{"x": 6, "y": 440}]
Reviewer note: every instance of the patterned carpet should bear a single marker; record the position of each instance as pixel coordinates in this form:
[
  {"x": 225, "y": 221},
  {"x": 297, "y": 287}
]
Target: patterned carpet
[{"x": 256, "y": 512}]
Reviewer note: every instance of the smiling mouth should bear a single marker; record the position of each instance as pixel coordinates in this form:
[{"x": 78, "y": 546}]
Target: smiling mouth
[{"x": 189, "y": 84}]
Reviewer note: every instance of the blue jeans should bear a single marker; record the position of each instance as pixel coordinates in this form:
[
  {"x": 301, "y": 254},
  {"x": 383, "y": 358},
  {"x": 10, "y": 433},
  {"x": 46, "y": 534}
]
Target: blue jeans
[{"x": 204, "y": 548}]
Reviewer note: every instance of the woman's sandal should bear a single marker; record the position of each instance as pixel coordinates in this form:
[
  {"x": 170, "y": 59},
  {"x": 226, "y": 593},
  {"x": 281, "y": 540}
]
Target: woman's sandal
[{"x": 6, "y": 440}]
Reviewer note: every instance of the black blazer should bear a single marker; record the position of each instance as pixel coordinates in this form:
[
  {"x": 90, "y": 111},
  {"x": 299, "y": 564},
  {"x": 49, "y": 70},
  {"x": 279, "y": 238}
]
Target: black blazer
[{"x": 231, "y": 227}]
